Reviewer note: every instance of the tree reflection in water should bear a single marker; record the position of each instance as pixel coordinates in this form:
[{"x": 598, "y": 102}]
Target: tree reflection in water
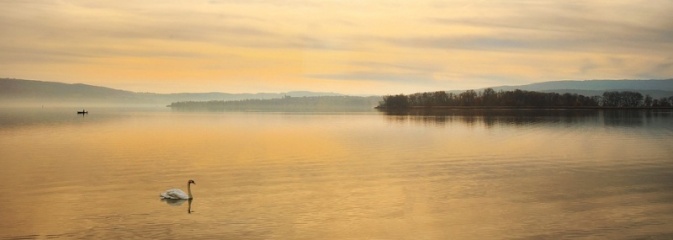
[{"x": 494, "y": 117}]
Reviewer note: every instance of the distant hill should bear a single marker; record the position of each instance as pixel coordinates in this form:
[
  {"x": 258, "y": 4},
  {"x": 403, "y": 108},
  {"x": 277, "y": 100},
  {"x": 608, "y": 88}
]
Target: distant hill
[
  {"x": 285, "y": 104},
  {"x": 17, "y": 88},
  {"x": 31, "y": 92},
  {"x": 654, "y": 88}
]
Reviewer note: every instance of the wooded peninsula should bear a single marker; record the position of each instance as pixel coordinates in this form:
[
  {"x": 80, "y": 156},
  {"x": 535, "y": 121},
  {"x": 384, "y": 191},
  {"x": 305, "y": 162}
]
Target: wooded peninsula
[{"x": 489, "y": 98}]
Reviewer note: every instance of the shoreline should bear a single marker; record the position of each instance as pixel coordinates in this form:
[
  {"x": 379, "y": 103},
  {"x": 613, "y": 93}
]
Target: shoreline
[{"x": 517, "y": 108}]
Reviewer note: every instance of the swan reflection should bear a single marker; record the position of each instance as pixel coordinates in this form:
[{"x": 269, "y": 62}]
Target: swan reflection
[{"x": 179, "y": 202}]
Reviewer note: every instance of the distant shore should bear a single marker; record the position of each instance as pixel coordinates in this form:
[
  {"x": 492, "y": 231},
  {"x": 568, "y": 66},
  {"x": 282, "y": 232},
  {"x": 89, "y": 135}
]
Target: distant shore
[
  {"x": 518, "y": 99},
  {"x": 516, "y": 108}
]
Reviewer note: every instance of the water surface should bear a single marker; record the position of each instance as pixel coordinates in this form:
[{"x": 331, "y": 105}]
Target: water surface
[{"x": 366, "y": 175}]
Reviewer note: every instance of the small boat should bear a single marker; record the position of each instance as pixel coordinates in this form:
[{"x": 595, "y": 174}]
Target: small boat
[{"x": 82, "y": 112}]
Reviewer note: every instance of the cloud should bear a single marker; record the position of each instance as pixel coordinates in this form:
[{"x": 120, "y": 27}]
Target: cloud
[
  {"x": 573, "y": 26},
  {"x": 314, "y": 43},
  {"x": 408, "y": 78},
  {"x": 463, "y": 42},
  {"x": 402, "y": 66},
  {"x": 422, "y": 43},
  {"x": 542, "y": 32},
  {"x": 524, "y": 42},
  {"x": 662, "y": 69}
]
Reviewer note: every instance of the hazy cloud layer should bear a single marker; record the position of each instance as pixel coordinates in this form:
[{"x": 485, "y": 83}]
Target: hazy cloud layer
[{"x": 349, "y": 46}]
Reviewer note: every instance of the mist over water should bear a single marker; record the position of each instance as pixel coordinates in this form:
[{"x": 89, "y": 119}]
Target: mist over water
[{"x": 365, "y": 175}]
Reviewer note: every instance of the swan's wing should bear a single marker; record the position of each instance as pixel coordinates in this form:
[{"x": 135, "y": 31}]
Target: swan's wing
[
  {"x": 165, "y": 195},
  {"x": 174, "y": 194}
]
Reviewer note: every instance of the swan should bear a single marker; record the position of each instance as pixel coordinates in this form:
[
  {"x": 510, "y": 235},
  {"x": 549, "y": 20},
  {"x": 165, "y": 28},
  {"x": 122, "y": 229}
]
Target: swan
[{"x": 179, "y": 194}]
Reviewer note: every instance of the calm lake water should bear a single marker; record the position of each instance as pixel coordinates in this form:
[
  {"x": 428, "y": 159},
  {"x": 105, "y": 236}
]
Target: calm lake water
[{"x": 366, "y": 175}]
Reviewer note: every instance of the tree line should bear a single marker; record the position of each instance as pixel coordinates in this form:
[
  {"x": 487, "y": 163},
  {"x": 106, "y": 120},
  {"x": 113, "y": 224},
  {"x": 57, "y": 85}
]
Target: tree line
[{"x": 520, "y": 98}]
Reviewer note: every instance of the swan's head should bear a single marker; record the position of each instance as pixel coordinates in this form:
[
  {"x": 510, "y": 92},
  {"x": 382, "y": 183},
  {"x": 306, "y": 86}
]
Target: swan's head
[{"x": 191, "y": 182}]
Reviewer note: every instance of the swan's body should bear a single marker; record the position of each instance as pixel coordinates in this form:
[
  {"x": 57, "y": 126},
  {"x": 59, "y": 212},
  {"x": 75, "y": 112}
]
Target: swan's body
[{"x": 177, "y": 193}]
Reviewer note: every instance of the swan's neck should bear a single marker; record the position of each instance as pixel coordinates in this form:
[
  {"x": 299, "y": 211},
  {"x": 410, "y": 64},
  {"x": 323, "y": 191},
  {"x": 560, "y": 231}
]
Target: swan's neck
[{"x": 189, "y": 190}]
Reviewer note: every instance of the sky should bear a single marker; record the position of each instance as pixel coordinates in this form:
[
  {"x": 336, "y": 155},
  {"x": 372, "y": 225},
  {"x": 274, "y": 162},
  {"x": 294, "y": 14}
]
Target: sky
[{"x": 346, "y": 46}]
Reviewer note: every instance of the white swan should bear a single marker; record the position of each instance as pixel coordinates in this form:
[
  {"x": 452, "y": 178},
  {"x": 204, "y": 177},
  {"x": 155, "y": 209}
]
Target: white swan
[{"x": 177, "y": 193}]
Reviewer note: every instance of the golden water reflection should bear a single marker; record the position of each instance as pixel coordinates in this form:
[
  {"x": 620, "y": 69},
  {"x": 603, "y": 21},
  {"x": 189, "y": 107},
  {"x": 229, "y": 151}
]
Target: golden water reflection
[{"x": 336, "y": 176}]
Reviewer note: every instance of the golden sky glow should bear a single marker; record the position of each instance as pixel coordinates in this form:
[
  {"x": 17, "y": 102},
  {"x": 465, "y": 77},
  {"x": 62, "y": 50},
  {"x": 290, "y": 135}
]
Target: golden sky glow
[{"x": 357, "y": 47}]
